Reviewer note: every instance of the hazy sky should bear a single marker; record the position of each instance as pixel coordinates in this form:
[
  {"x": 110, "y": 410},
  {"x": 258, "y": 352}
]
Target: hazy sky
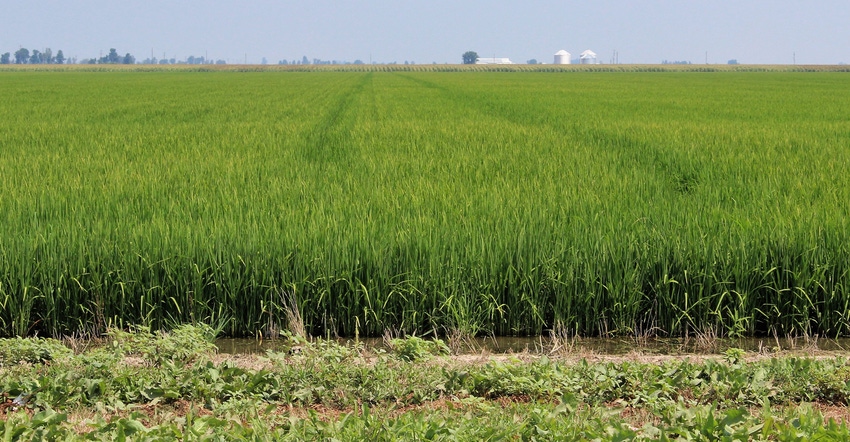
[{"x": 641, "y": 31}]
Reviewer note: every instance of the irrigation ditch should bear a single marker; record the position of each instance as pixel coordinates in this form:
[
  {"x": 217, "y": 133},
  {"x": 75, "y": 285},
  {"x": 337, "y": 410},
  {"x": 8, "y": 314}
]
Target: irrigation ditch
[{"x": 677, "y": 347}]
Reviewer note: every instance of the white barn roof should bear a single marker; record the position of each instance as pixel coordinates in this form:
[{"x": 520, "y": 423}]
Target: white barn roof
[{"x": 492, "y": 60}]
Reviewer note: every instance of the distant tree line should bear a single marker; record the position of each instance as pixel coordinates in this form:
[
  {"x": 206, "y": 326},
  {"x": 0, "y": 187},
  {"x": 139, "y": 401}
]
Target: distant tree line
[
  {"x": 24, "y": 56},
  {"x": 305, "y": 60},
  {"x": 188, "y": 60},
  {"x": 113, "y": 57}
]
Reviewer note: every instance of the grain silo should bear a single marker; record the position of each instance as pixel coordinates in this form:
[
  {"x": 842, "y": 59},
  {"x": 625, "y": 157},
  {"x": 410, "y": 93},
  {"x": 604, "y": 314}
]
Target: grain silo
[
  {"x": 562, "y": 57},
  {"x": 588, "y": 57}
]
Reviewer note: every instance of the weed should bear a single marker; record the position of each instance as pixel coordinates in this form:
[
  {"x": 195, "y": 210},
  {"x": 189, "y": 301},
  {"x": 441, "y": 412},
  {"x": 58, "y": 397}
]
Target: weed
[
  {"x": 733, "y": 356},
  {"x": 414, "y": 348},
  {"x": 32, "y": 350},
  {"x": 183, "y": 344}
]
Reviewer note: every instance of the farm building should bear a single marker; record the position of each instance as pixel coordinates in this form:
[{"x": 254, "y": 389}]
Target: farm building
[
  {"x": 588, "y": 57},
  {"x": 494, "y": 60},
  {"x": 562, "y": 57}
]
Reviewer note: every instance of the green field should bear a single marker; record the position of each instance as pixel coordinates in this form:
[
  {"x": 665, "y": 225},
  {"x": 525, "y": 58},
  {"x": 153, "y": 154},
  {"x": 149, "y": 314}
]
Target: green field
[{"x": 607, "y": 203}]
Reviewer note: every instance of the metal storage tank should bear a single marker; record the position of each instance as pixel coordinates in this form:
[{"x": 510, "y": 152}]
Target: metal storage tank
[
  {"x": 562, "y": 57},
  {"x": 588, "y": 57}
]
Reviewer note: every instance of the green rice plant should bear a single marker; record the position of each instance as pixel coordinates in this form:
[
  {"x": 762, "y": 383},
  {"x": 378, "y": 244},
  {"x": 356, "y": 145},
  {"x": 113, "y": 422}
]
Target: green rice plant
[{"x": 614, "y": 203}]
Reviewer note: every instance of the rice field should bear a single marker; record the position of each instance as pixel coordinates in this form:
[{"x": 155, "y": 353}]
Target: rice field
[{"x": 600, "y": 203}]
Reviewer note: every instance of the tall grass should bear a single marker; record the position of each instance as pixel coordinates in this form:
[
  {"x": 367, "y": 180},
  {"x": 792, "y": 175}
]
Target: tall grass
[{"x": 488, "y": 202}]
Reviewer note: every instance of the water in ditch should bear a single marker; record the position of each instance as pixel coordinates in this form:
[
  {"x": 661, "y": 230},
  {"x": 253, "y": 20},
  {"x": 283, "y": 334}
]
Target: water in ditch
[{"x": 605, "y": 346}]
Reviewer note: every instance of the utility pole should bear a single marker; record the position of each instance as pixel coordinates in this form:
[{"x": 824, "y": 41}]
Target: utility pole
[{"x": 706, "y": 57}]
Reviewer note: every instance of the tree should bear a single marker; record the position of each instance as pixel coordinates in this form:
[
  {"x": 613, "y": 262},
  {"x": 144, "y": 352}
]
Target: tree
[
  {"x": 532, "y": 61},
  {"x": 112, "y": 57},
  {"x": 304, "y": 60},
  {"x": 36, "y": 57},
  {"x": 128, "y": 59},
  {"x": 6, "y": 58},
  {"x": 60, "y": 57},
  {"x": 22, "y": 56},
  {"x": 469, "y": 57}
]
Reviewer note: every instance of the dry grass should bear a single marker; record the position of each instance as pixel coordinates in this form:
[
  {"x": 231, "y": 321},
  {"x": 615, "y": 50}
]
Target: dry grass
[
  {"x": 294, "y": 320},
  {"x": 460, "y": 342}
]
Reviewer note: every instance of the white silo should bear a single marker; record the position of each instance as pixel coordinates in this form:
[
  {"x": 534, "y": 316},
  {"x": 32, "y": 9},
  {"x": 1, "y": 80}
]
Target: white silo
[
  {"x": 562, "y": 57},
  {"x": 588, "y": 57}
]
